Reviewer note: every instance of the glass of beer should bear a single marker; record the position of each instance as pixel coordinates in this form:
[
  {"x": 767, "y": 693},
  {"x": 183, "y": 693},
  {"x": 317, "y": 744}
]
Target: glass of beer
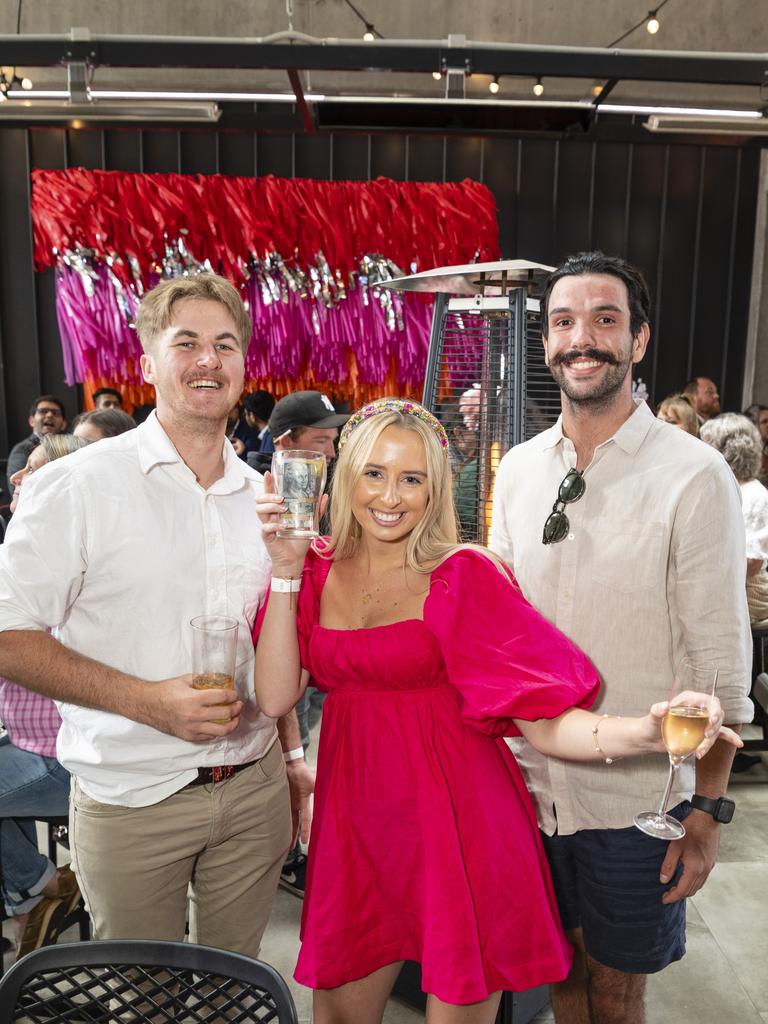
[
  {"x": 690, "y": 703},
  {"x": 299, "y": 478},
  {"x": 214, "y": 648}
]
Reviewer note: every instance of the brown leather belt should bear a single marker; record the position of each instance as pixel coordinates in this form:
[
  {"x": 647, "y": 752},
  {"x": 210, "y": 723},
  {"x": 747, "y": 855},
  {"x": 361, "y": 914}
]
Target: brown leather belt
[{"x": 220, "y": 773}]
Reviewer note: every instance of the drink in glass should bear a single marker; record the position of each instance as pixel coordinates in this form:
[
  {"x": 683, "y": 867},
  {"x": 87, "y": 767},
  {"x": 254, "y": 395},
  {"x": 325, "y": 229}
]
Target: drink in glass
[
  {"x": 299, "y": 478},
  {"x": 682, "y": 730},
  {"x": 214, "y": 647}
]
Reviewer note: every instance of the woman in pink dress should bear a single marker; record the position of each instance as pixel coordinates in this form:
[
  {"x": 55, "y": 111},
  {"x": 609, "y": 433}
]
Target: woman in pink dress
[{"x": 424, "y": 843}]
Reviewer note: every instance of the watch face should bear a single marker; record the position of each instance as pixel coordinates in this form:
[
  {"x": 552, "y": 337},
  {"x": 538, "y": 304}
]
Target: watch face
[{"x": 724, "y": 811}]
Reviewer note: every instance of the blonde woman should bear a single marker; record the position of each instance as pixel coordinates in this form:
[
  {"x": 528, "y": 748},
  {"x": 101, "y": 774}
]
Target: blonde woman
[
  {"x": 424, "y": 843},
  {"x": 678, "y": 411}
]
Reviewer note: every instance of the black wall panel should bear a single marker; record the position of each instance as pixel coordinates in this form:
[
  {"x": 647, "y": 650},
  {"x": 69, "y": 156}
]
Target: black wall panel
[{"x": 683, "y": 212}]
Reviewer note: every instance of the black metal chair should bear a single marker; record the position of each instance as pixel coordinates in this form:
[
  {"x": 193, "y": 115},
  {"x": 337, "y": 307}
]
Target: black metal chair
[{"x": 143, "y": 981}]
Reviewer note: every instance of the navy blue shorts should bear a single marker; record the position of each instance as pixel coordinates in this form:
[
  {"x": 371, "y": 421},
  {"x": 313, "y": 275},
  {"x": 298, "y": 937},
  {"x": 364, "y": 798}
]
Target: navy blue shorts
[{"x": 607, "y": 884}]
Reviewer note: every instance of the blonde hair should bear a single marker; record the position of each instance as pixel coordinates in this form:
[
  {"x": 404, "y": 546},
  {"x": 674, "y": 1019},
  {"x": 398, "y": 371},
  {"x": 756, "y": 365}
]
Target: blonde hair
[
  {"x": 155, "y": 310},
  {"x": 56, "y": 446},
  {"x": 436, "y": 535},
  {"x": 680, "y": 407}
]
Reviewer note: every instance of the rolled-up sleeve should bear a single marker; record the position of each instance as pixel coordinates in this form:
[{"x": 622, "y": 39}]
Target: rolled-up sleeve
[
  {"x": 709, "y": 552},
  {"x": 43, "y": 558}
]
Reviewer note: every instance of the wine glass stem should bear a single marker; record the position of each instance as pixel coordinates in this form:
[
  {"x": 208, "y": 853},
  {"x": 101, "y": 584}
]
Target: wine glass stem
[{"x": 668, "y": 789}]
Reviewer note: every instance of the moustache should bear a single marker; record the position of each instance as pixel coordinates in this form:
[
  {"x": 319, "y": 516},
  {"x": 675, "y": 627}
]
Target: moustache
[{"x": 566, "y": 358}]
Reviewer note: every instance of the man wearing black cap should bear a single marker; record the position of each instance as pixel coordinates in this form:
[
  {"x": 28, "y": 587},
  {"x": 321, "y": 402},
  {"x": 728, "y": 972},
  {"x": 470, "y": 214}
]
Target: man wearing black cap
[{"x": 307, "y": 420}]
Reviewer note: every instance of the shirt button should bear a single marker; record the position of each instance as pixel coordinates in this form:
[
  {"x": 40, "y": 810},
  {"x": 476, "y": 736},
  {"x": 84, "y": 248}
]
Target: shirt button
[{"x": 570, "y": 536}]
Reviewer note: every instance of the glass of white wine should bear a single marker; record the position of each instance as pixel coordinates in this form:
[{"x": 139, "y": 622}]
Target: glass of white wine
[{"x": 690, "y": 703}]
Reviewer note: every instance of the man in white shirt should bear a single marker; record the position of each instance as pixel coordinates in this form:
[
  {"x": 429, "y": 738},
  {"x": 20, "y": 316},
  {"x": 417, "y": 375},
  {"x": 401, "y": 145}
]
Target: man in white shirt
[
  {"x": 119, "y": 550},
  {"x": 626, "y": 534}
]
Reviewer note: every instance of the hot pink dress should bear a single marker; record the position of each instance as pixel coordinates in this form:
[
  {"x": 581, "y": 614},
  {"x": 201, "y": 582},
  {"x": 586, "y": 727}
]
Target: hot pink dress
[{"x": 424, "y": 843}]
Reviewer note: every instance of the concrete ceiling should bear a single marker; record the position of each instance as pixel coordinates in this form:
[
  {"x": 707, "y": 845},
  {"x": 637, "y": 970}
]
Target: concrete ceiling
[{"x": 722, "y": 26}]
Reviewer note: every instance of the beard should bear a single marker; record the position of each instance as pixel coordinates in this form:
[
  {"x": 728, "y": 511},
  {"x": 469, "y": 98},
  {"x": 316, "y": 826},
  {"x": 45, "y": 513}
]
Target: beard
[{"x": 595, "y": 395}]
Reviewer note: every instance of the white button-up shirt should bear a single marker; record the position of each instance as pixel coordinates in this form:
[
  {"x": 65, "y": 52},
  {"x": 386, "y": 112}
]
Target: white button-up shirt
[
  {"x": 652, "y": 570},
  {"x": 119, "y": 547}
]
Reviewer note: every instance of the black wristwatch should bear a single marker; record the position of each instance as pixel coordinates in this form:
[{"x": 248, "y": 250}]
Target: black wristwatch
[{"x": 721, "y": 809}]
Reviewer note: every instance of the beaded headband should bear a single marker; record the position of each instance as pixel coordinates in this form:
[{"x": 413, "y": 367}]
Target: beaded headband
[{"x": 400, "y": 405}]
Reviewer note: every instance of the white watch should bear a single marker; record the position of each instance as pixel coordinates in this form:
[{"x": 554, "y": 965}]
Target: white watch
[{"x": 286, "y": 585}]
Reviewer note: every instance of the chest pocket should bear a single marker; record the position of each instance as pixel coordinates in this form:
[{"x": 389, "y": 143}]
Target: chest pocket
[{"x": 628, "y": 555}]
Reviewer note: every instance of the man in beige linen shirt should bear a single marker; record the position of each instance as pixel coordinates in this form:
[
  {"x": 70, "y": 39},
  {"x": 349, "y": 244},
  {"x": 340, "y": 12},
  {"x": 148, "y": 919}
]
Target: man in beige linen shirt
[{"x": 649, "y": 570}]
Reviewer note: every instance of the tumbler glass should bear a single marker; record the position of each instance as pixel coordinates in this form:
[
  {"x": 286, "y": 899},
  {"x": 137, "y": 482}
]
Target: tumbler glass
[
  {"x": 214, "y": 648},
  {"x": 299, "y": 478}
]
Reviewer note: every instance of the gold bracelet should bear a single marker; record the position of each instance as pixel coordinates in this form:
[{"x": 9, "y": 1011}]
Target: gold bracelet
[{"x": 598, "y": 748}]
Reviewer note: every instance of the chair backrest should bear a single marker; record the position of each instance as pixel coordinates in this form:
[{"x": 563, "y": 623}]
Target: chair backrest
[{"x": 138, "y": 981}]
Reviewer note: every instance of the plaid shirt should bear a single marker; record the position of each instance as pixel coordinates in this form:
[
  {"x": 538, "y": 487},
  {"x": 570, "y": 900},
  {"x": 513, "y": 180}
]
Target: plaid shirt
[{"x": 32, "y": 721}]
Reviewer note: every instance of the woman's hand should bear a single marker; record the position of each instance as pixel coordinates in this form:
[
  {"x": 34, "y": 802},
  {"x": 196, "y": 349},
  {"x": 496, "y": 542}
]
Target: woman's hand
[
  {"x": 287, "y": 554},
  {"x": 715, "y": 729}
]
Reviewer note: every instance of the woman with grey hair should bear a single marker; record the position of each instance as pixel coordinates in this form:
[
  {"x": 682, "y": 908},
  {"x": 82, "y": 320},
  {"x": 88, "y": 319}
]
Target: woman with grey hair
[{"x": 738, "y": 440}]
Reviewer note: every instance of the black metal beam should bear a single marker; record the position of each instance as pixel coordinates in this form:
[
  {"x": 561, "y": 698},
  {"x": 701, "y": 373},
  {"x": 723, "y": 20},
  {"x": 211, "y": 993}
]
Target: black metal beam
[{"x": 388, "y": 55}]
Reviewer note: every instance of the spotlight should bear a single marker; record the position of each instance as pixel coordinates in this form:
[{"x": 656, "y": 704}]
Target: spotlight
[
  {"x": 368, "y": 35},
  {"x": 538, "y": 89},
  {"x": 653, "y": 24},
  {"x": 494, "y": 86},
  {"x": 436, "y": 75},
  {"x": 26, "y": 83}
]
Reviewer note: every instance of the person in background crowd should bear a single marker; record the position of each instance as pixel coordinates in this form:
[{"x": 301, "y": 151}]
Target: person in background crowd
[
  {"x": 37, "y": 896},
  {"x": 107, "y": 398},
  {"x": 244, "y": 439},
  {"x": 758, "y": 414},
  {"x": 175, "y": 788},
  {"x": 101, "y": 423},
  {"x": 258, "y": 406},
  {"x": 305, "y": 420},
  {"x": 740, "y": 444},
  {"x": 678, "y": 411},
  {"x": 46, "y": 416},
  {"x": 640, "y": 561},
  {"x": 142, "y": 412},
  {"x": 425, "y": 846},
  {"x": 702, "y": 393}
]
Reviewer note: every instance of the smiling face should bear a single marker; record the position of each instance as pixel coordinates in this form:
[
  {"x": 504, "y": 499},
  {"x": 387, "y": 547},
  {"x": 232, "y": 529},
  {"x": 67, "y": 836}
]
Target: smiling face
[
  {"x": 196, "y": 364},
  {"x": 391, "y": 495},
  {"x": 762, "y": 425},
  {"x": 589, "y": 344},
  {"x": 37, "y": 458}
]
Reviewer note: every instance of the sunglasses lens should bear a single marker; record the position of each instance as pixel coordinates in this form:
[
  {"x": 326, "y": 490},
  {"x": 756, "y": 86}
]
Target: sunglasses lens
[
  {"x": 555, "y": 528},
  {"x": 572, "y": 488}
]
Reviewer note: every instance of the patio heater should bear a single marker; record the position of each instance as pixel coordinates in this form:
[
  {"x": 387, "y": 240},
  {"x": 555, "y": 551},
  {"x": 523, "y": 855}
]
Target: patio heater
[{"x": 486, "y": 380}]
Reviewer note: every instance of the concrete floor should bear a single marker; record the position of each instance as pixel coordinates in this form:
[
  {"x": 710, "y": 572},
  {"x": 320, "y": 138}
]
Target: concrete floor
[{"x": 722, "y": 978}]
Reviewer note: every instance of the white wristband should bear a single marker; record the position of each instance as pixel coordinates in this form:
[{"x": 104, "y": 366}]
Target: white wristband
[
  {"x": 293, "y": 755},
  {"x": 286, "y": 585}
]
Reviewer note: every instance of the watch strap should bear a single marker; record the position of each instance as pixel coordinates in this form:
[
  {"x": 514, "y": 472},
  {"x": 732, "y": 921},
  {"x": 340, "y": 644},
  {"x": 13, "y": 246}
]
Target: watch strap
[{"x": 704, "y": 803}]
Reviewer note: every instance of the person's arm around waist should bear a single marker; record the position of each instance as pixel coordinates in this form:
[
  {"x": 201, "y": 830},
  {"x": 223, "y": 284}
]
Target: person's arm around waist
[{"x": 36, "y": 660}]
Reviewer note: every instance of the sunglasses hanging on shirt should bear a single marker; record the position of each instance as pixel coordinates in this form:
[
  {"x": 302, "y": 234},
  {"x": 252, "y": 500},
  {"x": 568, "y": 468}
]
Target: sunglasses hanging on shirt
[{"x": 571, "y": 489}]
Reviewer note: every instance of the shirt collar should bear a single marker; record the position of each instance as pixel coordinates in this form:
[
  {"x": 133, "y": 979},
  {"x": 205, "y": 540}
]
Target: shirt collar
[
  {"x": 628, "y": 437},
  {"x": 155, "y": 448}
]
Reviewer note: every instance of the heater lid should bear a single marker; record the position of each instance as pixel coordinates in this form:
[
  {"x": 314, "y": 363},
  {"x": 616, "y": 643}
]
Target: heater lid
[{"x": 473, "y": 278}]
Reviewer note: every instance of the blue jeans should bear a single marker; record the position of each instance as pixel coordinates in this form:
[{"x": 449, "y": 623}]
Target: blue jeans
[{"x": 30, "y": 786}]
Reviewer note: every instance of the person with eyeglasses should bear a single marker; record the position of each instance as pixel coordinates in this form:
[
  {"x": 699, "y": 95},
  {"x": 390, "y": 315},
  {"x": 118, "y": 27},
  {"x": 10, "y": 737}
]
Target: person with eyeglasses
[{"x": 625, "y": 533}]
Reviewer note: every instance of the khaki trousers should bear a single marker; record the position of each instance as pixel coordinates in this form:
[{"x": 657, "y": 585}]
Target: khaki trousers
[{"x": 229, "y": 841}]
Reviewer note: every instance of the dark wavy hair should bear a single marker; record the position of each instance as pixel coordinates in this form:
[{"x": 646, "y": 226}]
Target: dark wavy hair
[{"x": 598, "y": 263}]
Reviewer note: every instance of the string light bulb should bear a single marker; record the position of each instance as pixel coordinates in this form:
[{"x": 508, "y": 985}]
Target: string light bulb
[
  {"x": 538, "y": 88},
  {"x": 653, "y": 24},
  {"x": 494, "y": 86},
  {"x": 597, "y": 88},
  {"x": 436, "y": 75},
  {"x": 368, "y": 36},
  {"x": 26, "y": 83}
]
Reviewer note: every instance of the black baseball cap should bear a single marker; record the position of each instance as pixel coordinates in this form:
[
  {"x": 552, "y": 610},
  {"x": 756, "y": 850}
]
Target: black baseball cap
[{"x": 304, "y": 409}]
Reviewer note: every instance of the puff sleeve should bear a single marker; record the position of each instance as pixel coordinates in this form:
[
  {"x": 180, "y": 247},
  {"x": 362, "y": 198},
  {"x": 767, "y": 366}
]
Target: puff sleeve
[{"x": 505, "y": 659}]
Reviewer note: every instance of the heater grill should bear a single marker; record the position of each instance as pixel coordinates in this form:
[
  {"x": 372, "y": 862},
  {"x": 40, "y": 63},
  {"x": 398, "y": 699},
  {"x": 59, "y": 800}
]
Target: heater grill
[{"x": 487, "y": 383}]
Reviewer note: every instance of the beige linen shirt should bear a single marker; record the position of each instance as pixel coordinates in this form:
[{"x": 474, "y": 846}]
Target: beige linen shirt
[{"x": 652, "y": 570}]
